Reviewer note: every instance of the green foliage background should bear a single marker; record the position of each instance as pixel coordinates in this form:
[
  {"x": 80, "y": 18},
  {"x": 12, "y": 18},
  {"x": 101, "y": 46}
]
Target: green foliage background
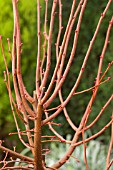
[
  {"x": 27, "y": 10},
  {"x": 77, "y": 105}
]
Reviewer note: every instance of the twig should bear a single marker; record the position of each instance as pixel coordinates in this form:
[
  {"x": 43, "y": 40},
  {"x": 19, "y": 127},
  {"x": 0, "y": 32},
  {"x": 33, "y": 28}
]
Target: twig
[
  {"x": 16, "y": 155},
  {"x": 110, "y": 148}
]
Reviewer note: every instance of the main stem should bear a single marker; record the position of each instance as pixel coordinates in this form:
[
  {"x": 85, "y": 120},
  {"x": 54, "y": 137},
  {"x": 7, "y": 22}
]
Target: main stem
[{"x": 37, "y": 140}]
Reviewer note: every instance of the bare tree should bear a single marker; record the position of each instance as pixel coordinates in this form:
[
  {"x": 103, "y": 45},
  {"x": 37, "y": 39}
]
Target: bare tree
[{"x": 31, "y": 108}]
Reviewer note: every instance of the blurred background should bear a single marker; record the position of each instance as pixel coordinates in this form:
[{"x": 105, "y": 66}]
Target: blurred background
[{"x": 77, "y": 105}]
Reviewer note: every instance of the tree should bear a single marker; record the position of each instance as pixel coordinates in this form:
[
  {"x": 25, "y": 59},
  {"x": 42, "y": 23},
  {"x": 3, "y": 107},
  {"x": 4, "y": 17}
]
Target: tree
[{"x": 30, "y": 109}]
